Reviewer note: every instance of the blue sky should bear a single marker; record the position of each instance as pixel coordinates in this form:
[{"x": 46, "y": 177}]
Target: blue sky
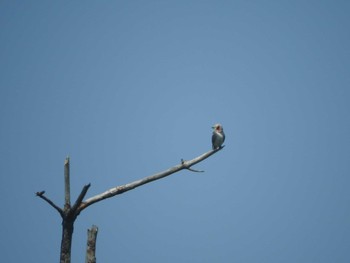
[{"x": 128, "y": 88}]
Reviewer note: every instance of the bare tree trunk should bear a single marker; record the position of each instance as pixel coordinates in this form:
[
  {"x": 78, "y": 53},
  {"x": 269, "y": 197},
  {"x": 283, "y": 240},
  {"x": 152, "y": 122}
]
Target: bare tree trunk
[
  {"x": 91, "y": 245},
  {"x": 66, "y": 243},
  {"x": 67, "y": 219}
]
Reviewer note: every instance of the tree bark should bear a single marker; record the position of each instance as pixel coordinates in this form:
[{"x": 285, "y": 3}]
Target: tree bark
[
  {"x": 67, "y": 218},
  {"x": 91, "y": 245},
  {"x": 66, "y": 242}
]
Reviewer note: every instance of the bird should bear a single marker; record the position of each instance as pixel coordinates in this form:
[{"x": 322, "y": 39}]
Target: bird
[{"x": 218, "y": 137}]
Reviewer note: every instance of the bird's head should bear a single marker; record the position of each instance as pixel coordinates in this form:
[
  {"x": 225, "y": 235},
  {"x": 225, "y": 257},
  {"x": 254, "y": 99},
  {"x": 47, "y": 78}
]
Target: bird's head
[{"x": 218, "y": 127}]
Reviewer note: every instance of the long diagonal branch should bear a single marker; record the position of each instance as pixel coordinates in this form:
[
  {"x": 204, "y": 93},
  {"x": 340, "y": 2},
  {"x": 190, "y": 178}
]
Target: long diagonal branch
[{"x": 127, "y": 187}]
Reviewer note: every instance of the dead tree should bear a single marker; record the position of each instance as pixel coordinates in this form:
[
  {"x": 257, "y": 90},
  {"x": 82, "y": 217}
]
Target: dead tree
[{"x": 69, "y": 213}]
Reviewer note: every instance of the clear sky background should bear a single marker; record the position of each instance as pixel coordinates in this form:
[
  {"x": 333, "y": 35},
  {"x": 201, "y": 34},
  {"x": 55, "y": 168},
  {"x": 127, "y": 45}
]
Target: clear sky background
[{"x": 128, "y": 88}]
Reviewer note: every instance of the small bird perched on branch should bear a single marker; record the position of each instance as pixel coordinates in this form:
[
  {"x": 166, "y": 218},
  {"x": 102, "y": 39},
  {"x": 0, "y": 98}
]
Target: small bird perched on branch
[{"x": 218, "y": 137}]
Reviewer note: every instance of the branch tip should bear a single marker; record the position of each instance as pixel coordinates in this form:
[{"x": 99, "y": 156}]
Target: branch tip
[
  {"x": 40, "y": 193},
  {"x": 193, "y": 170}
]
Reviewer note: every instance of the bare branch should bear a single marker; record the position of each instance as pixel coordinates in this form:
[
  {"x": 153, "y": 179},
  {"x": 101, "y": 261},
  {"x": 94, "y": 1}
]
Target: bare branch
[
  {"x": 42, "y": 196},
  {"x": 80, "y": 198},
  {"x": 66, "y": 184},
  {"x": 196, "y": 171},
  {"x": 190, "y": 169},
  {"x": 127, "y": 187}
]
